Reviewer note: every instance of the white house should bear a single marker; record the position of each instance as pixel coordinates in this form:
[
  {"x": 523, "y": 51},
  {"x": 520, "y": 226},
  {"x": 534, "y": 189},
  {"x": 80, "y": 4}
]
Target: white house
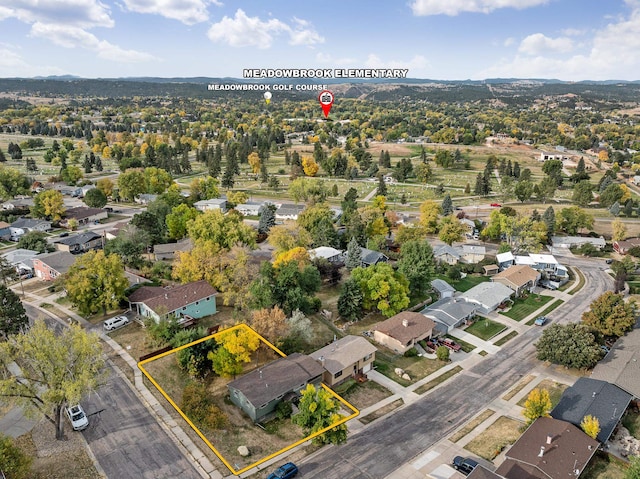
[{"x": 212, "y": 204}]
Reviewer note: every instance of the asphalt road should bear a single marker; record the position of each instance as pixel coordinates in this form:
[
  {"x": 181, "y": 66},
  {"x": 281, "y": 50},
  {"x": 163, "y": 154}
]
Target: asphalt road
[
  {"x": 123, "y": 435},
  {"x": 394, "y": 440}
]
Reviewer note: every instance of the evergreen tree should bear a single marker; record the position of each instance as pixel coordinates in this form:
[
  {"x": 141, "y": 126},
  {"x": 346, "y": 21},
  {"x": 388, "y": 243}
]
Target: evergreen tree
[
  {"x": 467, "y": 189},
  {"x": 502, "y": 169},
  {"x": 516, "y": 170},
  {"x": 447, "y": 205},
  {"x": 228, "y": 179},
  {"x": 549, "y": 217},
  {"x": 267, "y": 218},
  {"x": 423, "y": 154},
  {"x": 628, "y": 208},
  {"x": 382, "y": 186},
  {"x": 2, "y": 157},
  {"x": 287, "y": 158},
  {"x": 479, "y": 188},
  {"x": 354, "y": 255},
  {"x": 350, "y": 301},
  {"x": 13, "y": 317},
  {"x": 87, "y": 164},
  {"x": 615, "y": 209},
  {"x": 99, "y": 166},
  {"x": 535, "y": 216}
]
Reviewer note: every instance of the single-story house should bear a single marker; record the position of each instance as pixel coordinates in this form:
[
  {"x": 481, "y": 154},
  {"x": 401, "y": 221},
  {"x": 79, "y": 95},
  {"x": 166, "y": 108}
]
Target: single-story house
[
  {"x": 332, "y": 255},
  {"x": 22, "y": 226},
  {"x": 470, "y": 224},
  {"x": 345, "y": 358},
  {"x": 519, "y": 278},
  {"x": 473, "y": 254},
  {"x": 80, "y": 243},
  {"x": 400, "y": 332},
  {"x": 86, "y": 188},
  {"x": 84, "y": 215},
  {"x": 145, "y": 198},
  {"x": 446, "y": 254},
  {"x": 212, "y": 204},
  {"x": 490, "y": 269},
  {"x": 250, "y": 209},
  {"x": 449, "y": 313},
  {"x": 549, "y": 449},
  {"x": 621, "y": 365},
  {"x": 21, "y": 260},
  {"x": 49, "y": 266},
  {"x": 259, "y": 392},
  {"x": 444, "y": 289},
  {"x": 592, "y": 397},
  {"x": 169, "y": 251},
  {"x": 505, "y": 260},
  {"x": 289, "y": 211},
  {"x": 488, "y": 296},
  {"x": 195, "y": 300},
  {"x": 570, "y": 241},
  {"x": 623, "y": 246},
  {"x": 370, "y": 257},
  {"x": 5, "y": 231},
  {"x": 545, "y": 156},
  {"x": 18, "y": 203},
  {"x": 115, "y": 229}
]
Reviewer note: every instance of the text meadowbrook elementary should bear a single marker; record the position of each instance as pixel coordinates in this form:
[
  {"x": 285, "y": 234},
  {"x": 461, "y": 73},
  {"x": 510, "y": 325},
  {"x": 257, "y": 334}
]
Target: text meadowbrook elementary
[{"x": 326, "y": 73}]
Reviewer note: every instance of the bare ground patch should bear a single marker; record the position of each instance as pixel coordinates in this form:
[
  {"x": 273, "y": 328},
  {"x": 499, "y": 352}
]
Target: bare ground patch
[{"x": 495, "y": 438}]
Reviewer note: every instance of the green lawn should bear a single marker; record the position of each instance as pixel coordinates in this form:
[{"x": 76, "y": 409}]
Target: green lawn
[
  {"x": 416, "y": 367},
  {"x": 485, "y": 329},
  {"x": 524, "y": 307},
  {"x": 464, "y": 284}
]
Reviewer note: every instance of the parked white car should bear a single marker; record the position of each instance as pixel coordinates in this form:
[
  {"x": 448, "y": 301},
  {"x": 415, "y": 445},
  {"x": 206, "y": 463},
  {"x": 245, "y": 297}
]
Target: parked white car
[
  {"x": 79, "y": 420},
  {"x": 116, "y": 322}
]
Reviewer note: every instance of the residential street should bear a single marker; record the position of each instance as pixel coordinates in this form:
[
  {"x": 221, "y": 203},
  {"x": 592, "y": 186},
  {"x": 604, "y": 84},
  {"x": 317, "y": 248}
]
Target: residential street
[
  {"x": 376, "y": 451},
  {"x": 124, "y": 437}
]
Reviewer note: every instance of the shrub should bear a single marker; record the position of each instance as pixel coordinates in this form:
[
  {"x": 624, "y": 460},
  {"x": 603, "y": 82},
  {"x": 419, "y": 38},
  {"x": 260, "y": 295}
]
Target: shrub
[
  {"x": 284, "y": 409},
  {"x": 442, "y": 353},
  {"x": 197, "y": 405},
  {"x": 411, "y": 353},
  {"x": 13, "y": 462}
]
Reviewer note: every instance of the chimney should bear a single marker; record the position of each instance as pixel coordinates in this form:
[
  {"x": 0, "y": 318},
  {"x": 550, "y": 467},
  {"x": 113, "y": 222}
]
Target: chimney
[
  {"x": 405, "y": 322},
  {"x": 322, "y": 360},
  {"x": 549, "y": 438},
  {"x": 541, "y": 451}
]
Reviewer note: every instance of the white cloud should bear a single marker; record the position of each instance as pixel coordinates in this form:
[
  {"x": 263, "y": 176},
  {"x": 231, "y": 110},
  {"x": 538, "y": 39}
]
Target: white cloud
[
  {"x": 417, "y": 62},
  {"x": 243, "y": 31},
  {"x": 454, "y": 7},
  {"x": 509, "y": 41},
  {"x": 79, "y": 13},
  {"x": 538, "y": 44},
  {"x": 573, "y": 32},
  {"x": 188, "y": 12},
  {"x": 71, "y": 37},
  {"x": 612, "y": 52},
  {"x": 13, "y": 65}
]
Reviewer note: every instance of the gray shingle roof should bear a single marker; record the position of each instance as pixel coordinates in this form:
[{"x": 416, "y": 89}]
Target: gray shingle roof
[
  {"x": 621, "y": 365},
  {"x": 370, "y": 257},
  {"x": 449, "y": 311},
  {"x": 488, "y": 294},
  {"x": 446, "y": 249},
  {"x": 80, "y": 238},
  {"x": 343, "y": 353},
  {"x": 277, "y": 378},
  {"x": 600, "y": 399},
  {"x": 441, "y": 286},
  {"x": 59, "y": 261}
]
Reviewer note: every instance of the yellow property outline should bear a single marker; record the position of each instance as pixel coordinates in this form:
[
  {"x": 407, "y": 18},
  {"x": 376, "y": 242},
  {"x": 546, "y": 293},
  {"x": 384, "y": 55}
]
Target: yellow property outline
[{"x": 248, "y": 329}]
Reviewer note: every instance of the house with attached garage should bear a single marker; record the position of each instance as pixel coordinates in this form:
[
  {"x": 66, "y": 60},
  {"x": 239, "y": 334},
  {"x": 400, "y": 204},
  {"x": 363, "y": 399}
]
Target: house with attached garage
[
  {"x": 591, "y": 397},
  {"x": 51, "y": 265},
  {"x": 21, "y": 260},
  {"x": 80, "y": 243},
  {"x": 450, "y": 313},
  {"x": 402, "y": 331},
  {"x": 487, "y": 296},
  {"x": 446, "y": 254},
  {"x": 519, "y": 278},
  {"x": 345, "y": 358},
  {"x": 289, "y": 211},
  {"x": 186, "y": 301},
  {"x": 259, "y": 392},
  {"x": 22, "y": 226},
  {"x": 219, "y": 204},
  {"x": 623, "y": 246},
  {"x": 83, "y": 215},
  {"x": 370, "y": 257},
  {"x": 571, "y": 241},
  {"x": 170, "y": 251}
]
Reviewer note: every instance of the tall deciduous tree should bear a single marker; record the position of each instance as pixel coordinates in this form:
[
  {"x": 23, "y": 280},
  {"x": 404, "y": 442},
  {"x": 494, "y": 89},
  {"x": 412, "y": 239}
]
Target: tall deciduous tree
[
  {"x": 131, "y": 184},
  {"x": 57, "y": 369},
  {"x": 95, "y": 198},
  {"x": 13, "y": 317},
  {"x": 572, "y": 345},
  {"x": 538, "y": 404},
  {"x": 288, "y": 236},
  {"x": 48, "y": 204},
  {"x": 382, "y": 288},
  {"x": 234, "y": 348},
  {"x": 178, "y": 220},
  {"x": 317, "y": 411},
  {"x": 451, "y": 230},
  {"x": 417, "y": 264},
  {"x": 222, "y": 230},
  {"x": 15, "y": 463},
  {"x": 429, "y": 211},
  {"x": 269, "y": 322},
  {"x": 35, "y": 241},
  {"x": 610, "y": 315},
  {"x": 583, "y": 193},
  {"x": 96, "y": 282},
  {"x": 619, "y": 230},
  {"x": 573, "y": 219}
]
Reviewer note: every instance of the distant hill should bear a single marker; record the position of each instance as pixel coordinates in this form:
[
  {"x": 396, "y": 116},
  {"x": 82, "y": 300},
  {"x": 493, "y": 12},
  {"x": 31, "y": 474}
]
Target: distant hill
[{"x": 507, "y": 90}]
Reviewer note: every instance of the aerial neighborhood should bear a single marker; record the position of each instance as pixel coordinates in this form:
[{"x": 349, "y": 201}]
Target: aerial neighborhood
[{"x": 210, "y": 289}]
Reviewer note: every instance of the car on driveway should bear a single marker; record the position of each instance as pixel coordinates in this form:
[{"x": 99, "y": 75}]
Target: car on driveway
[
  {"x": 286, "y": 471},
  {"x": 541, "y": 321},
  {"x": 451, "y": 344},
  {"x": 465, "y": 465},
  {"x": 116, "y": 322},
  {"x": 496, "y": 205},
  {"x": 78, "y": 418}
]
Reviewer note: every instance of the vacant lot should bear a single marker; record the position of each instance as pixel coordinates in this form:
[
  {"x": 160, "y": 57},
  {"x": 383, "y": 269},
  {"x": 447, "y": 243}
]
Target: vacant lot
[
  {"x": 362, "y": 395},
  {"x": 495, "y": 438},
  {"x": 485, "y": 328}
]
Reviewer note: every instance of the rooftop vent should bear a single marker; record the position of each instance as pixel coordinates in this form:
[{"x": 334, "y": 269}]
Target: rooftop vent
[
  {"x": 405, "y": 322},
  {"x": 541, "y": 453}
]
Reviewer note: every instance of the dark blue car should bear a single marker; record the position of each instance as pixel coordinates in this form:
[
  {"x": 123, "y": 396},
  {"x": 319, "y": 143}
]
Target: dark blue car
[{"x": 286, "y": 471}]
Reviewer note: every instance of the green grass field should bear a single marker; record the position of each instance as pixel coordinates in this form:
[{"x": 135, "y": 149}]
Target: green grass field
[
  {"x": 485, "y": 328},
  {"x": 524, "y": 307}
]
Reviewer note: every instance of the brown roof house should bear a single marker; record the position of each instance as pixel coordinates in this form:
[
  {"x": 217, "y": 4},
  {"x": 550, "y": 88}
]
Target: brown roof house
[
  {"x": 621, "y": 365},
  {"x": 623, "y": 246},
  {"x": 549, "y": 449},
  {"x": 518, "y": 278},
  {"x": 259, "y": 392},
  {"x": 191, "y": 300},
  {"x": 345, "y": 358},
  {"x": 83, "y": 215},
  {"x": 400, "y": 332}
]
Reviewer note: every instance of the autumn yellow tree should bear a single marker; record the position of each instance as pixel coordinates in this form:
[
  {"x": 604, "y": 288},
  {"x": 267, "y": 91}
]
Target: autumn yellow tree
[
  {"x": 429, "y": 211},
  {"x": 288, "y": 236},
  {"x": 235, "y": 347},
  {"x": 603, "y": 155},
  {"x": 309, "y": 166},
  {"x": 298, "y": 254},
  {"x": 619, "y": 230},
  {"x": 590, "y": 425},
  {"x": 271, "y": 323},
  {"x": 538, "y": 404},
  {"x": 254, "y": 162}
]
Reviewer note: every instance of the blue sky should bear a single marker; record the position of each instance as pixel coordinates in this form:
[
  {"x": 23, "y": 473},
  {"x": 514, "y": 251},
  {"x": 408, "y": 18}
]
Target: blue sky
[{"x": 437, "y": 39}]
